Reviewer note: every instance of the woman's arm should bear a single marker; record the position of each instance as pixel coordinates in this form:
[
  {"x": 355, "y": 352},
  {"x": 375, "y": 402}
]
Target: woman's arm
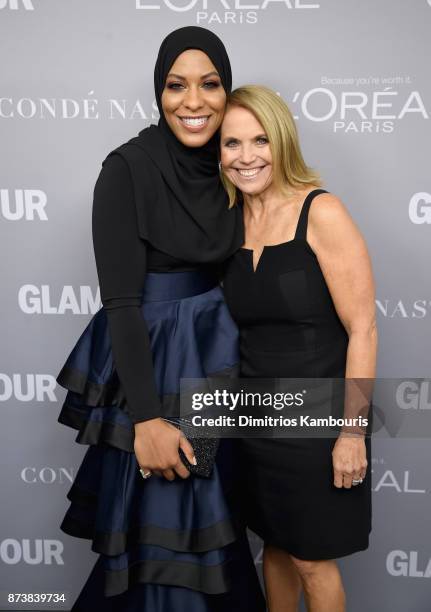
[
  {"x": 121, "y": 266},
  {"x": 346, "y": 266}
]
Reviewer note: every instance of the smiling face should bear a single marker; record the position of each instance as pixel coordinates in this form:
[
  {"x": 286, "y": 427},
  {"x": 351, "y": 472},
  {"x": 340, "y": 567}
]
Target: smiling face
[
  {"x": 193, "y": 99},
  {"x": 245, "y": 152}
]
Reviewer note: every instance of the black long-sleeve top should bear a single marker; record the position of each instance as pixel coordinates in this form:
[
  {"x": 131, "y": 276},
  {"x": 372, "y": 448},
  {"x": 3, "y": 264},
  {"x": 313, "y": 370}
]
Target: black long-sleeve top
[{"x": 122, "y": 259}]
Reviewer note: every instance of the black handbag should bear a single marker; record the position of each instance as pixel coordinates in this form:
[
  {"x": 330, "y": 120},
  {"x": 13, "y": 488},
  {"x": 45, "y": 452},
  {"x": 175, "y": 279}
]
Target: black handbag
[{"x": 205, "y": 450}]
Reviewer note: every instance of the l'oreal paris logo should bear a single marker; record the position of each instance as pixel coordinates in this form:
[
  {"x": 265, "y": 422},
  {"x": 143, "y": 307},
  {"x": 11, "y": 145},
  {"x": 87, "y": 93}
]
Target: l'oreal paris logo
[
  {"x": 224, "y": 11},
  {"x": 356, "y": 111}
]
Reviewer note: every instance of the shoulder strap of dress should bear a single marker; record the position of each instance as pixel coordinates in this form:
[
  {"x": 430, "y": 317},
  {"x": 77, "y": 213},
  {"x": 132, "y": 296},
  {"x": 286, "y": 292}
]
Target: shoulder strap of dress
[{"x": 301, "y": 228}]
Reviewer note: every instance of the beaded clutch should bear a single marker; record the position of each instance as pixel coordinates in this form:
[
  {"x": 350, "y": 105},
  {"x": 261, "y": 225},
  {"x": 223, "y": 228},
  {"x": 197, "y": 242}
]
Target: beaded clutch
[{"x": 205, "y": 450}]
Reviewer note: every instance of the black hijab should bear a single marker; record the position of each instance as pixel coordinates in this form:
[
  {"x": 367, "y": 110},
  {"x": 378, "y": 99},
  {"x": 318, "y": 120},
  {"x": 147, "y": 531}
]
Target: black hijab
[{"x": 182, "y": 207}]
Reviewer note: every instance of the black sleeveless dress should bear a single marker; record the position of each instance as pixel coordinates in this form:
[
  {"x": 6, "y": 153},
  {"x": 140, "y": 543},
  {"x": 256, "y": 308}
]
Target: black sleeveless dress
[{"x": 289, "y": 328}]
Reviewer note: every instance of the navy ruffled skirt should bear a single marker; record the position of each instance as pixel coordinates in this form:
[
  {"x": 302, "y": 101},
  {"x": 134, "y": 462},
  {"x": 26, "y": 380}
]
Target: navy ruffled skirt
[{"x": 164, "y": 546}]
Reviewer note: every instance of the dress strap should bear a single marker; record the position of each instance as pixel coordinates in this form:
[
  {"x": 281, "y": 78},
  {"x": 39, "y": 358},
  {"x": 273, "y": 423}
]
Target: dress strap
[{"x": 301, "y": 228}]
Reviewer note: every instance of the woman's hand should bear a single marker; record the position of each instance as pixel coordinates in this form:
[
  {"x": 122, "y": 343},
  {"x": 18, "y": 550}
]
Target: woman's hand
[
  {"x": 156, "y": 448},
  {"x": 349, "y": 459}
]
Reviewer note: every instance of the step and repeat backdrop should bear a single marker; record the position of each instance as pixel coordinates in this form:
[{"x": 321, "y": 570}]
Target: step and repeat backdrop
[{"x": 76, "y": 81}]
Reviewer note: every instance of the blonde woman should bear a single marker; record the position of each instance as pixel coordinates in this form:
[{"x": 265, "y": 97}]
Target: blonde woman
[{"x": 301, "y": 291}]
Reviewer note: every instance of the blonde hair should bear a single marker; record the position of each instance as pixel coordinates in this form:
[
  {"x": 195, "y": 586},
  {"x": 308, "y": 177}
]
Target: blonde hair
[{"x": 289, "y": 167}]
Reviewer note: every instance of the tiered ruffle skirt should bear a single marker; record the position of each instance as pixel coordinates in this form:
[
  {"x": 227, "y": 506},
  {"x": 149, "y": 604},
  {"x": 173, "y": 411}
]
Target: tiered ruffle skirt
[{"x": 164, "y": 546}]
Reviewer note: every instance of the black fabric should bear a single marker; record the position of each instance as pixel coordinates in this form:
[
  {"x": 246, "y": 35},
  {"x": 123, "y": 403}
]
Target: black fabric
[{"x": 159, "y": 206}]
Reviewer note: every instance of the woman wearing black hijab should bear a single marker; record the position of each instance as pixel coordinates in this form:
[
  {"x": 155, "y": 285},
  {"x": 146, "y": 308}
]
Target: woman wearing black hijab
[{"x": 165, "y": 528}]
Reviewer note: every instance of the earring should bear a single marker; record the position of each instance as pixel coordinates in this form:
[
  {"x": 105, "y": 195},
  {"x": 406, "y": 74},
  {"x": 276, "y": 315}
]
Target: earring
[{"x": 219, "y": 166}]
